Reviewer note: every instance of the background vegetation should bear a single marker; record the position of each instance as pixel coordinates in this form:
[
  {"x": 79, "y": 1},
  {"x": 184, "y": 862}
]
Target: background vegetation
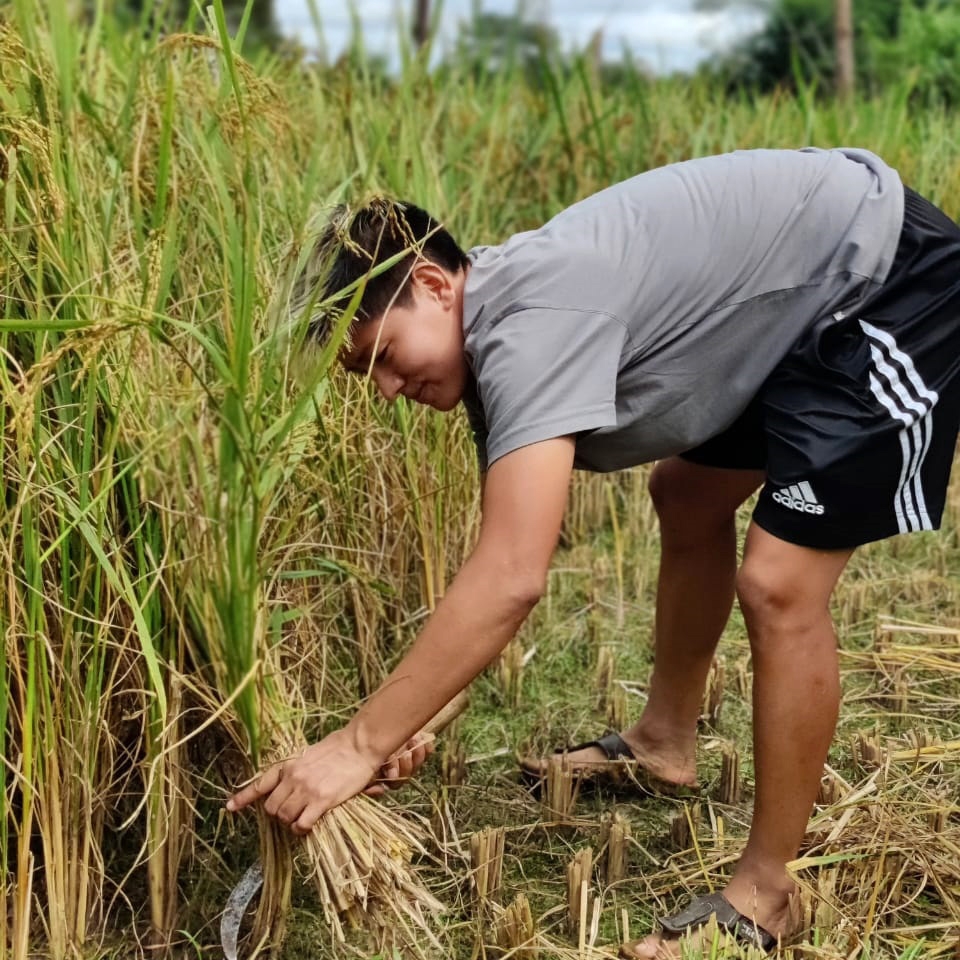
[
  {"x": 213, "y": 545},
  {"x": 897, "y": 43}
]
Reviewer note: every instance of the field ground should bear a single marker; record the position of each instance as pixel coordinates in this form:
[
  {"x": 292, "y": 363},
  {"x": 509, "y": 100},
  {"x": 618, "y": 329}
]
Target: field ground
[{"x": 881, "y": 868}]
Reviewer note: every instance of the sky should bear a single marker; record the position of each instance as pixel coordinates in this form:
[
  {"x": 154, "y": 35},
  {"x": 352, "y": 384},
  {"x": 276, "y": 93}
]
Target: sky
[{"x": 666, "y": 35}]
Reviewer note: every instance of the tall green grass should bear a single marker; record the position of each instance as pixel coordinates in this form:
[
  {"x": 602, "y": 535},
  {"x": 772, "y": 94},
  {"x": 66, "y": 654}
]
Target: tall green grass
[{"x": 205, "y": 528}]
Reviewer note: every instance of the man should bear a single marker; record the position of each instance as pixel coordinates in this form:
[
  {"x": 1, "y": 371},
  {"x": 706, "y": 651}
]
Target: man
[{"x": 782, "y": 320}]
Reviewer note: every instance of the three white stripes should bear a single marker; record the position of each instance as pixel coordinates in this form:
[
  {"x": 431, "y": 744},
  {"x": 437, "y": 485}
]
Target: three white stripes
[
  {"x": 894, "y": 371},
  {"x": 802, "y": 491}
]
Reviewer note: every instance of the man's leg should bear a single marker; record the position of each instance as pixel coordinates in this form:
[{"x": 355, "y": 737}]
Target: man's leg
[
  {"x": 784, "y": 592},
  {"x": 696, "y": 506}
]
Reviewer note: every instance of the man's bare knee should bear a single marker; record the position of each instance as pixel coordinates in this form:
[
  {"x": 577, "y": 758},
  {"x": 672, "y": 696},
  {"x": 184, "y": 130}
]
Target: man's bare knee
[
  {"x": 774, "y": 606},
  {"x": 763, "y": 597},
  {"x": 784, "y": 589},
  {"x": 695, "y": 503}
]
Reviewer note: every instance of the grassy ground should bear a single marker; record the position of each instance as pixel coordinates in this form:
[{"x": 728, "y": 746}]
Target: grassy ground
[{"x": 879, "y": 871}]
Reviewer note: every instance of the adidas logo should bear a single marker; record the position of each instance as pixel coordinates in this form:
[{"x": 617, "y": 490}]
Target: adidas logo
[{"x": 800, "y": 497}]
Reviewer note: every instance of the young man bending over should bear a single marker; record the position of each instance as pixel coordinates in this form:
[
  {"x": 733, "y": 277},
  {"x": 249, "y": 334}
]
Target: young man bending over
[{"x": 782, "y": 320}]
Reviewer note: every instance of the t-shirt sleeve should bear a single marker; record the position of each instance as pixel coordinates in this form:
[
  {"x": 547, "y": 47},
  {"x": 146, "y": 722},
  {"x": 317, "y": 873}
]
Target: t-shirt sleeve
[{"x": 547, "y": 372}]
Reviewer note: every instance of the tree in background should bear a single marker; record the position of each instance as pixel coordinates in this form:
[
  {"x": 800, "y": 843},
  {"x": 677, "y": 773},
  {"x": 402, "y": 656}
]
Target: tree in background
[
  {"x": 492, "y": 42},
  {"x": 843, "y": 42},
  {"x": 925, "y": 50},
  {"x": 796, "y": 44},
  {"x": 421, "y": 22},
  {"x": 891, "y": 39}
]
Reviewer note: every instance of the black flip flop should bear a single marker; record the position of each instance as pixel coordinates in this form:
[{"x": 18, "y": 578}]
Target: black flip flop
[
  {"x": 625, "y": 769},
  {"x": 698, "y": 913}
]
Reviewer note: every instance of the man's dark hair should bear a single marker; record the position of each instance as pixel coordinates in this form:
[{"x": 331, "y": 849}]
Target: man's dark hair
[{"x": 351, "y": 244}]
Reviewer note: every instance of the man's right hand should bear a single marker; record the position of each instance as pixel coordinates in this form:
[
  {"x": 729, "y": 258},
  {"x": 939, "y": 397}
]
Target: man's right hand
[{"x": 402, "y": 765}]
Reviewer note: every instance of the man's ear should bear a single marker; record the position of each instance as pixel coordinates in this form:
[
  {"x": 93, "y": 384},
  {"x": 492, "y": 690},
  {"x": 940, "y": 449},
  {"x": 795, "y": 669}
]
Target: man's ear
[{"x": 434, "y": 281}]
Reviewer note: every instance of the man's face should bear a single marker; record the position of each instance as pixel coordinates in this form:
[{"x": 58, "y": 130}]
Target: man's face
[{"x": 416, "y": 350}]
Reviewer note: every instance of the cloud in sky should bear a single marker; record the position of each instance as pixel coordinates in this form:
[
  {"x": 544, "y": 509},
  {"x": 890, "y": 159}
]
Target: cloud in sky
[{"x": 665, "y": 34}]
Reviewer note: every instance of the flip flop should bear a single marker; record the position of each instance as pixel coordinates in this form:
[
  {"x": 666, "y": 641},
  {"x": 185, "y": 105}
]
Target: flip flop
[
  {"x": 742, "y": 930},
  {"x": 621, "y": 767}
]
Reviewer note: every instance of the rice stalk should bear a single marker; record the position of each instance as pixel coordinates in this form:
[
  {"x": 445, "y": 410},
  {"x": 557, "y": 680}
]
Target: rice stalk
[{"x": 361, "y": 857}]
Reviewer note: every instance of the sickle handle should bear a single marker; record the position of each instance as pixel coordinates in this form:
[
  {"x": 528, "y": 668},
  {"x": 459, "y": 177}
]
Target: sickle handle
[{"x": 446, "y": 715}]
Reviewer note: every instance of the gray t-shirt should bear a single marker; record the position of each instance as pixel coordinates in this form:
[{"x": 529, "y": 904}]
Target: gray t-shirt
[{"x": 644, "y": 318}]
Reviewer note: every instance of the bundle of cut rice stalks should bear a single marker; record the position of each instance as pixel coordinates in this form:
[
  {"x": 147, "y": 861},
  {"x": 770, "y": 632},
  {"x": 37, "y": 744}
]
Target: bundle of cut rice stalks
[
  {"x": 361, "y": 853},
  {"x": 360, "y": 857}
]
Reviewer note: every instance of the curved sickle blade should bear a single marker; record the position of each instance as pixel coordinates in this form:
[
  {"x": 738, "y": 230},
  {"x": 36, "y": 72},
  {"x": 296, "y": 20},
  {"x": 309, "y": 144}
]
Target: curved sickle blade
[{"x": 236, "y": 907}]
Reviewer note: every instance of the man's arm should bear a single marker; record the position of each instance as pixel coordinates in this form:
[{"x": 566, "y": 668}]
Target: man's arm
[{"x": 524, "y": 497}]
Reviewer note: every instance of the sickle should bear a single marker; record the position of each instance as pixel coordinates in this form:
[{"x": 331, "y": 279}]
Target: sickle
[{"x": 236, "y": 907}]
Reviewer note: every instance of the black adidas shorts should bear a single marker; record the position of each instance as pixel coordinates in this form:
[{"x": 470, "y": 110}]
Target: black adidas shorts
[{"x": 857, "y": 426}]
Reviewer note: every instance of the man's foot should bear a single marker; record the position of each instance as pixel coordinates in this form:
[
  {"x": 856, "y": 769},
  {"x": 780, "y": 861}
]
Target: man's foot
[
  {"x": 751, "y": 924},
  {"x": 626, "y": 753}
]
